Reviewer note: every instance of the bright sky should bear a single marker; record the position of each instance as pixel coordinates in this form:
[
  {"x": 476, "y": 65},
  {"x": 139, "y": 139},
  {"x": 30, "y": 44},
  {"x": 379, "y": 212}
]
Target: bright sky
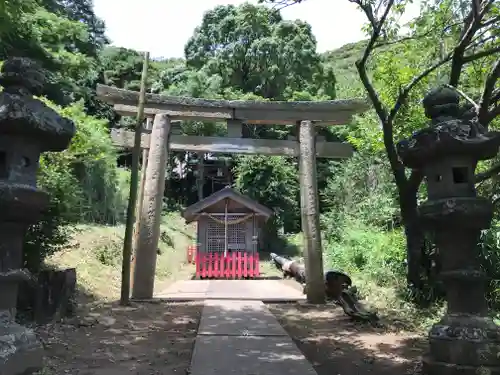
[{"x": 163, "y": 27}]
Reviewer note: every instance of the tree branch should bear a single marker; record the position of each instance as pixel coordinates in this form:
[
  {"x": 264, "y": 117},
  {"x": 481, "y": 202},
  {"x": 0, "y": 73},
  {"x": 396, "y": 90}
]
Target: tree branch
[
  {"x": 386, "y": 122},
  {"x": 476, "y": 5},
  {"x": 361, "y": 64},
  {"x": 471, "y": 26},
  {"x": 479, "y": 55},
  {"x": 465, "y": 96},
  {"x": 487, "y": 96},
  {"x": 377, "y": 26},
  {"x": 490, "y": 22},
  {"x": 416, "y": 37},
  {"x": 480, "y": 41},
  {"x": 492, "y": 114},
  {"x": 406, "y": 91},
  {"x": 493, "y": 171}
]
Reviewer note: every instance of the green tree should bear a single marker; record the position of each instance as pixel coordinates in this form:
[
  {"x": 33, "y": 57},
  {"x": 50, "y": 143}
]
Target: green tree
[
  {"x": 83, "y": 186},
  {"x": 255, "y": 51},
  {"x": 453, "y": 39},
  {"x": 16, "y": 34},
  {"x": 81, "y": 11},
  {"x": 273, "y": 182}
]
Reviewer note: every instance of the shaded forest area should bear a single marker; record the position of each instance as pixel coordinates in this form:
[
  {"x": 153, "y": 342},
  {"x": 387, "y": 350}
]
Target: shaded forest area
[{"x": 251, "y": 52}]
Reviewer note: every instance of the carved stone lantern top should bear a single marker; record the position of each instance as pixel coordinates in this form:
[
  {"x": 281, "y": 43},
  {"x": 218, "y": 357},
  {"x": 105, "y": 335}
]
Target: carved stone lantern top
[
  {"x": 22, "y": 115},
  {"x": 453, "y": 132}
]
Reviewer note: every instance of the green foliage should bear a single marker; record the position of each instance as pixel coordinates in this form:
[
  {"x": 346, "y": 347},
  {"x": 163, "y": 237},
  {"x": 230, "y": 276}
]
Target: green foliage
[
  {"x": 52, "y": 231},
  {"x": 361, "y": 222},
  {"x": 109, "y": 254},
  {"x": 252, "y": 49},
  {"x": 490, "y": 248},
  {"x": 273, "y": 182},
  {"x": 243, "y": 52},
  {"x": 342, "y": 61},
  {"x": 16, "y": 34},
  {"x": 373, "y": 252},
  {"x": 432, "y": 35},
  {"x": 122, "y": 67},
  {"x": 81, "y": 182},
  {"x": 360, "y": 188}
]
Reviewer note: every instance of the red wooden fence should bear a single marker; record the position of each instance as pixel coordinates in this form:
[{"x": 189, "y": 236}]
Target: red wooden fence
[{"x": 234, "y": 265}]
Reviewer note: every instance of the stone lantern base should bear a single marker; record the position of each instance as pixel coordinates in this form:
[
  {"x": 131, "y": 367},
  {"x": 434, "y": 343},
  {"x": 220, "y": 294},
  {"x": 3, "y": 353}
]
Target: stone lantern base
[
  {"x": 463, "y": 345},
  {"x": 20, "y": 351}
]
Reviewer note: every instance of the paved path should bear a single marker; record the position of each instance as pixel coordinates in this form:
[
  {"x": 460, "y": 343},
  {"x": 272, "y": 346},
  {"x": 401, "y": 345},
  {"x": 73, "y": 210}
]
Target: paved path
[
  {"x": 238, "y": 335},
  {"x": 242, "y": 337},
  {"x": 259, "y": 290}
]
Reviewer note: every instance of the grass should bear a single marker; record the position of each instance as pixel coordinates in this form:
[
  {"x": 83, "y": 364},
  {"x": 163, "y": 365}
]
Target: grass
[
  {"x": 388, "y": 302},
  {"x": 116, "y": 337},
  {"x": 384, "y": 297},
  {"x": 96, "y": 253}
]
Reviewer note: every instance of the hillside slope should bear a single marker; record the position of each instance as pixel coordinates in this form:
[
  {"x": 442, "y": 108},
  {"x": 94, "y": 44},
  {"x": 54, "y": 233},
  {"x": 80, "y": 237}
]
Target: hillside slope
[
  {"x": 343, "y": 62},
  {"x": 96, "y": 253}
]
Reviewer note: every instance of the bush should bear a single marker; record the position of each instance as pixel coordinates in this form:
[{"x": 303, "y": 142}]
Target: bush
[
  {"x": 94, "y": 165},
  {"x": 376, "y": 253},
  {"x": 109, "y": 254},
  {"x": 360, "y": 188},
  {"x": 51, "y": 233},
  {"x": 490, "y": 251},
  {"x": 360, "y": 221},
  {"x": 83, "y": 184},
  {"x": 273, "y": 182}
]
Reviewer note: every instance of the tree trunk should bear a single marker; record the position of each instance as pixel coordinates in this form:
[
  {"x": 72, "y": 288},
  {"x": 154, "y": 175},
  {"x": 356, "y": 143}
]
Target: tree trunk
[
  {"x": 414, "y": 236},
  {"x": 414, "y": 244}
]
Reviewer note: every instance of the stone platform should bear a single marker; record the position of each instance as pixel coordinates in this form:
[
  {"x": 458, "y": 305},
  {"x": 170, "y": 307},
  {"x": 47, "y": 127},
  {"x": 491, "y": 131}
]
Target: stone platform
[
  {"x": 242, "y": 337},
  {"x": 257, "y": 290}
]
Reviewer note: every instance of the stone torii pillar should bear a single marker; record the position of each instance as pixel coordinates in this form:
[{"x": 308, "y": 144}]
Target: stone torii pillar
[
  {"x": 149, "y": 230},
  {"x": 309, "y": 209}
]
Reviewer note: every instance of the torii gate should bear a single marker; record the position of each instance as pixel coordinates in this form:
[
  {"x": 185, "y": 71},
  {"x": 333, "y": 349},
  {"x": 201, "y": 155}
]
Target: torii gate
[{"x": 159, "y": 140}]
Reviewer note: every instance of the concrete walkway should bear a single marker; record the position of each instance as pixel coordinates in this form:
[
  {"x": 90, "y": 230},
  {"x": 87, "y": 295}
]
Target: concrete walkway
[
  {"x": 257, "y": 290},
  {"x": 242, "y": 337},
  {"x": 238, "y": 335}
]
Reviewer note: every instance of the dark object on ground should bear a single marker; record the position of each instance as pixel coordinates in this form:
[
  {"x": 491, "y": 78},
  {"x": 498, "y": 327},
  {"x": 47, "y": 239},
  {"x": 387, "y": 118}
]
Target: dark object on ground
[
  {"x": 335, "y": 283},
  {"x": 338, "y": 287},
  {"x": 50, "y": 297}
]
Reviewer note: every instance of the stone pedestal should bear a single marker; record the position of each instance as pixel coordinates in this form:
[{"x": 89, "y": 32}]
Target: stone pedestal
[
  {"x": 27, "y": 128},
  {"x": 465, "y": 341}
]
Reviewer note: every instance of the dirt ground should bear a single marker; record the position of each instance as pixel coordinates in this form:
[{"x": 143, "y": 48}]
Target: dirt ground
[
  {"x": 158, "y": 339},
  {"x": 336, "y": 345},
  {"x": 107, "y": 339}
]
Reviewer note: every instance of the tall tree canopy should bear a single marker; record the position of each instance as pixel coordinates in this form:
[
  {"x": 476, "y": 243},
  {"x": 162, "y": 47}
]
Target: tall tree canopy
[{"x": 254, "y": 50}]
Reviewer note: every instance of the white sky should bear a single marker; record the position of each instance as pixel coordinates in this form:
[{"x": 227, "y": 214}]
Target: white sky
[{"x": 163, "y": 27}]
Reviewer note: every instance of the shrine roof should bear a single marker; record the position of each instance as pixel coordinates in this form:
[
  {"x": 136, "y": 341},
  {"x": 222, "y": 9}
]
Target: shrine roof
[{"x": 190, "y": 212}]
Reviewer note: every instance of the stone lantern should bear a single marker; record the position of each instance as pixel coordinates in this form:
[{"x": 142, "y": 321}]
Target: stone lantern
[
  {"x": 27, "y": 128},
  {"x": 465, "y": 341}
]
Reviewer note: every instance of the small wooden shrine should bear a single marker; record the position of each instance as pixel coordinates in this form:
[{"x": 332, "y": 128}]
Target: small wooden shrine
[{"x": 227, "y": 237}]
